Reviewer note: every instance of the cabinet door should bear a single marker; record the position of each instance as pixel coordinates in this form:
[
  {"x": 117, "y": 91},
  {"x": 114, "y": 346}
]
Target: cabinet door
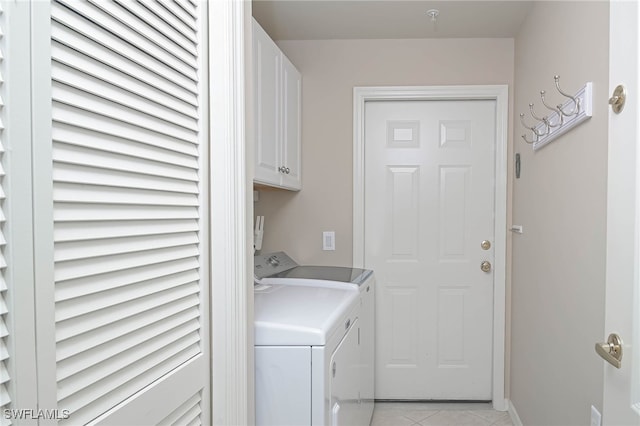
[
  {"x": 267, "y": 79},
  {"x": 345, "y": 383},
  {"x": 291, "y": 111}
]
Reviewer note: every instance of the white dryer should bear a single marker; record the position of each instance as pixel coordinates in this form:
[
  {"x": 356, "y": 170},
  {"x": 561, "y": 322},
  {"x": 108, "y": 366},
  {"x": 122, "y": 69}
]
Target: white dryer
[
  {"x": 306, "y": 355},
  {"x": 279, "y": 268}
]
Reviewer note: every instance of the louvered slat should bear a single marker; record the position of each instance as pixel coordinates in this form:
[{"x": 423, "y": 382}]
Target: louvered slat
[
  {"x": 195, "y": 422},
  {"x": 66, "y": 37},
  {"x": 67, "y": 114},
  {"x": 184, "y": 336},
  {"x": 112, "y": 246},
  {"x": 127, "y": 196},
  {"x": 117, "y": 334},
  {"x": 114, "y": 279},
  {"x": 185, "y": 66},
  {"x": 90, "y": 267},
  {"x": 162, "y": 13},
  {"x": 72, "y": 193},
  {"x": 99, "y": 70},
  {"x": 72, "y": 77},
  {"x": 98, "y": 230},
  {"x": 74, "y": 355},
  {"x": 75, "y": 326},
  {"x": 107, "y": 39},
  {"x": 89, "y": 304},
  {"x": 117, "y": 111},
  {"x": 178, "y": 12},
  {"x": 5, "y": 397},
  {"x": 65, "y": 212},
  {"x": 170, "y": 33},
  {"x": 145, "y": 30},
  {"x": 72, "y": 173},
  {"x": 188, "y": 7},
  {"x": 104, "y": 394},
  {"x": 174, "y": 418},
  {"x": 72, "y": 154},
  {"x": 107, "y": 144}
]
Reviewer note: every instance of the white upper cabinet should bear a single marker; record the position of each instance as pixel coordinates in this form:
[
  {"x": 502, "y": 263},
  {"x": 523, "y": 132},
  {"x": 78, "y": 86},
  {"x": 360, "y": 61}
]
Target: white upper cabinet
[{"x": 277, "y": 86}]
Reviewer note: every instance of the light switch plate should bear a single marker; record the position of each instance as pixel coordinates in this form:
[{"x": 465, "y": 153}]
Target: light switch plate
[{"x": 328, "y": 240}]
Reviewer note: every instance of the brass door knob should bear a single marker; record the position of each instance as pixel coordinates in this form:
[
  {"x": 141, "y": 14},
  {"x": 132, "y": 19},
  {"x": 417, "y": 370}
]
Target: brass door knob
[{"x": 485, "y": 266}]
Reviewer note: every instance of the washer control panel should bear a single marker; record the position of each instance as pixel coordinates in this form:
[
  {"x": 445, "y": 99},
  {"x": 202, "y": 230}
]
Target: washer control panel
[{"x": 265, "y": 265}]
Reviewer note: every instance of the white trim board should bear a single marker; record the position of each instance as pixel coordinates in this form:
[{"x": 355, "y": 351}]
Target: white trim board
[
  {"x": 231, "y": 298},
  {"x": 499, "y": 93},
  {"x": 515, "y": 418}
]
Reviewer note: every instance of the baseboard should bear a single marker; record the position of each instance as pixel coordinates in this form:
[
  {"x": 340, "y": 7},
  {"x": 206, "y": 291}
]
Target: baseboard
[{"x": 515, "y": 419}]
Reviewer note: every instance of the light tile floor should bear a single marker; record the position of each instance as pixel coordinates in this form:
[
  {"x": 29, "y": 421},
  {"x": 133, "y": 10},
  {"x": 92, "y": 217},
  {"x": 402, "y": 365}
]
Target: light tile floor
[{"x": 438, "y": 413}]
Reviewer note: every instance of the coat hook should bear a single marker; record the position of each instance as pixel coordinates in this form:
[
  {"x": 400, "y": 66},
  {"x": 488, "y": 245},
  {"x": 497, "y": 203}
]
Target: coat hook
[
  {"x": 533, "y": 114},
  {"x": 533, "y": 129},
  {"x": 528, "y": 141},
  {"x": 545, "y": 120},
  {"x": 576, "y": 102},
  {"x": 552, "y": 122},
  {"x": 556, "y": 110}
]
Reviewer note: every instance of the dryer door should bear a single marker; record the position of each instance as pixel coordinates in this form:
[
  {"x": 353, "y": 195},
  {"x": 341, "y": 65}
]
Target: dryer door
[{"x": 345, "y": 379}]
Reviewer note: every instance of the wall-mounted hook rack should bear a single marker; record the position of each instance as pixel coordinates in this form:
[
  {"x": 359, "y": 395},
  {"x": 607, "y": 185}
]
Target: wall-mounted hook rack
[{"x": 575, "y": 110}]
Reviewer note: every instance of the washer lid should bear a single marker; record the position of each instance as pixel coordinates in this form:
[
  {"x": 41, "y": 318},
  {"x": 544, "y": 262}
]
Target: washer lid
[
  {"x": 326, "y": 273},
  {"x": 299, "y": 316}
]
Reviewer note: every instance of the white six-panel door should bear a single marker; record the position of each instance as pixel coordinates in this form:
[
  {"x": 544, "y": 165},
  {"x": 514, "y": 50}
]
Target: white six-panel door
[{"x": 429, "y": 204}]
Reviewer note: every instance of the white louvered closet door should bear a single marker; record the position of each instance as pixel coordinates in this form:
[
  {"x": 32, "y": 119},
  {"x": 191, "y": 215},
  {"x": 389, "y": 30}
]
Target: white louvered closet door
[
  {"x": 5, "y": 398},
  {"x": 128, "y": 140}
]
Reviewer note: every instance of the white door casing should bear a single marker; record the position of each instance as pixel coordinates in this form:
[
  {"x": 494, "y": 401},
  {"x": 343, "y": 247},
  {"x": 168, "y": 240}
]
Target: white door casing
[
  {"x": 494, "y": 97},
  {"x": 621, "y": 397},
  {"x": 232, "y": 396}
]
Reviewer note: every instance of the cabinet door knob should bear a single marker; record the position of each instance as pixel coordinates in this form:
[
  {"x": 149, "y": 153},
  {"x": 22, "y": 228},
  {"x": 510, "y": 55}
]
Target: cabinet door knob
[
  {"x": 287, "y": 170},
  {"x": 282, "y": 169}
]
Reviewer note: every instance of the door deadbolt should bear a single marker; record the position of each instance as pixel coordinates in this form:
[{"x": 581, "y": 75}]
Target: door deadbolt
[
  {"x": 486, "y": 245},
  {"x": 618, "y": 99},
  {"x": 485, "y": 266},
  {"x": 612, "y": 350}
]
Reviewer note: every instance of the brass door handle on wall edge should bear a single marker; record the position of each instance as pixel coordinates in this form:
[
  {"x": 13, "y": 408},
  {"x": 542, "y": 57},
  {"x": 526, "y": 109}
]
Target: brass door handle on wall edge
[{"x": 611, "y": 351}]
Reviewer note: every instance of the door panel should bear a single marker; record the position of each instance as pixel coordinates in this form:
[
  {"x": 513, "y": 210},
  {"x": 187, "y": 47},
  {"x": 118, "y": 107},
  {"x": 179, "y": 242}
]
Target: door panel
[
  {"x": 621, "y": 399},
  {"x": 291, "y": 130},
  {"x": 345, "y": 383},
  {"x": 429, "y": 203},
  {"x": 267, "y": 82},
  {"x": 128, "y": 199}
]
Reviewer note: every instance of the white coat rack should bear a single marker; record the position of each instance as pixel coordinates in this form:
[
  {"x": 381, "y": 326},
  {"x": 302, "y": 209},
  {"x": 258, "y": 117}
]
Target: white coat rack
[{"x": 561, "y": 119}]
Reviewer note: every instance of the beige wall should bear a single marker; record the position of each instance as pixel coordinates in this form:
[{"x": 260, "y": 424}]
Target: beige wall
[
  {"x": 330, "y": 70},
  {"x": 559, "y": 262}
]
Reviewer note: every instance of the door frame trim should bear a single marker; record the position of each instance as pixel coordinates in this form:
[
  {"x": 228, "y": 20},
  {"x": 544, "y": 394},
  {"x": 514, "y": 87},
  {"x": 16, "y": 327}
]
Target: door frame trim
[
  {"x": 231, "y": 263},
  {"x": 499, "y": 93}
]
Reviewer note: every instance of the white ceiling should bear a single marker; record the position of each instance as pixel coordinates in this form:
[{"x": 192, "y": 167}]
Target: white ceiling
[{"x": 380, "y": 19}]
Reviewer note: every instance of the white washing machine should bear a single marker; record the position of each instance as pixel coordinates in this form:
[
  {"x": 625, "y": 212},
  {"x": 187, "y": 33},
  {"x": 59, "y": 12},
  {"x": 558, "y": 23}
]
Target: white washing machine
[
  {"x": 279, "y": 268},
  {"x": 306, "y": 355}
]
